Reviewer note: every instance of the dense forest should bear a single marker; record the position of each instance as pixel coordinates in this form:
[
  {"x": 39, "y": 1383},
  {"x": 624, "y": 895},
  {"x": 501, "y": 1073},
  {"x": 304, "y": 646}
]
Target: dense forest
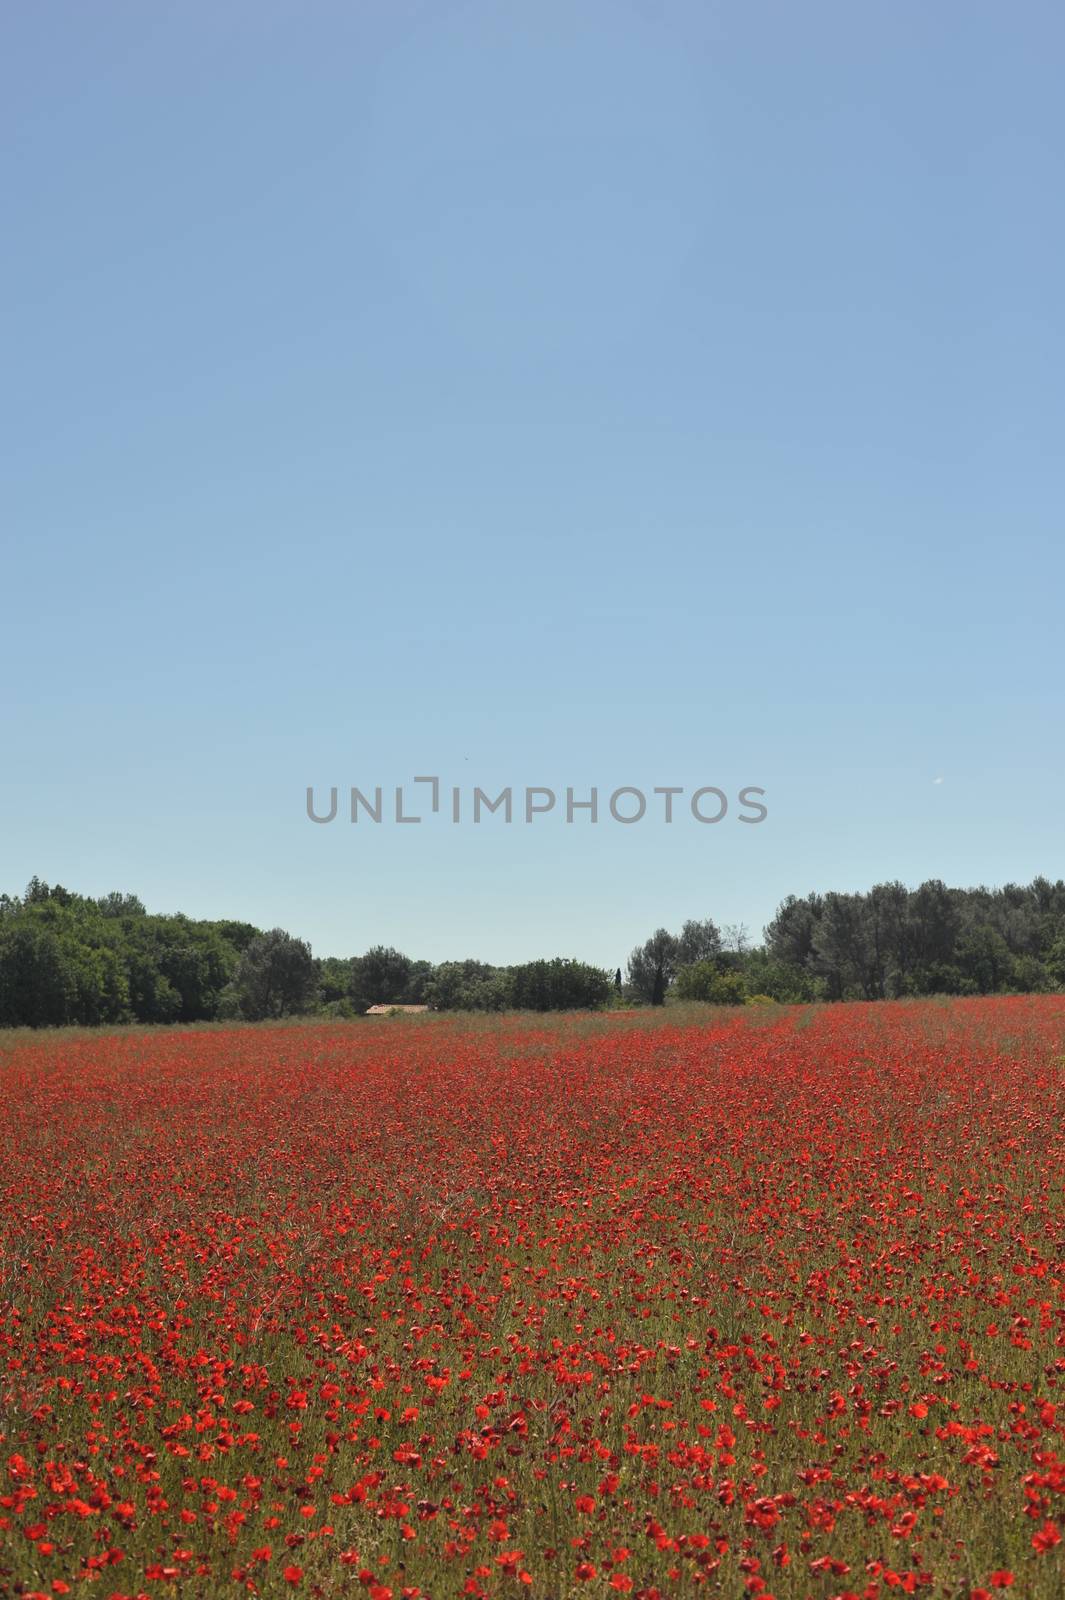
[{"x": 67, "y": 958}]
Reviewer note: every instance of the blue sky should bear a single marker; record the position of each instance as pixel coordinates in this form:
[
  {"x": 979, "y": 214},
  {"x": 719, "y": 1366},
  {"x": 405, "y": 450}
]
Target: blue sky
[{"x": 534, "y": 394}]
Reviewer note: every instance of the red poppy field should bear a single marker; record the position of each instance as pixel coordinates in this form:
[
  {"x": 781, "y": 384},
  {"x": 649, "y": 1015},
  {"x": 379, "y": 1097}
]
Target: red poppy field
[{"x": 765, "y": 1302}]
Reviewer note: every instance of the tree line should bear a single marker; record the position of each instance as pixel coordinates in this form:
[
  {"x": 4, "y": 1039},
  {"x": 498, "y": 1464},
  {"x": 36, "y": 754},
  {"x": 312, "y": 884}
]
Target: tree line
[
  {"x": 886, "y": 943},
  {"x": 67, "y": 958},
  {"x": 894, "y": 941}
]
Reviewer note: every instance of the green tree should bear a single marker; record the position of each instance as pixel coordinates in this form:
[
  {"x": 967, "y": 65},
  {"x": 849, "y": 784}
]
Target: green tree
[
  {"x": 467, "y": 986},
  {"x": 652, "y": 966},
  {"x": 698, "y": 941},
  {"x": 121, "y": 905},
  {"x": 1056, "y": 962},
  {"x": 275, "y": 977},
  {"x": 788, "y": 984},
  {"x": 704, "y": 980},
  {"x": 37, "y": 981},
  {"x": 558, "y": 985},
  {"x": 101, "y": 986},
  {"x": 380, "y": 977},
  {"x": 984, "y": 957},
  {"x": 334, "y": 980}
]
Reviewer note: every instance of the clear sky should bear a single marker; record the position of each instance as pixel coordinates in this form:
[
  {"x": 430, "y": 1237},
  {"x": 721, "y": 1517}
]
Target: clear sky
[{"x": 530, "y": 394}]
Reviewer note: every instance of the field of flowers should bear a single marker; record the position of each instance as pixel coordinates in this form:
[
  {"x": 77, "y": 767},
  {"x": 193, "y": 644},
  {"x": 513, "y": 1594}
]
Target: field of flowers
[{"x": 747, "y": 1303}]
